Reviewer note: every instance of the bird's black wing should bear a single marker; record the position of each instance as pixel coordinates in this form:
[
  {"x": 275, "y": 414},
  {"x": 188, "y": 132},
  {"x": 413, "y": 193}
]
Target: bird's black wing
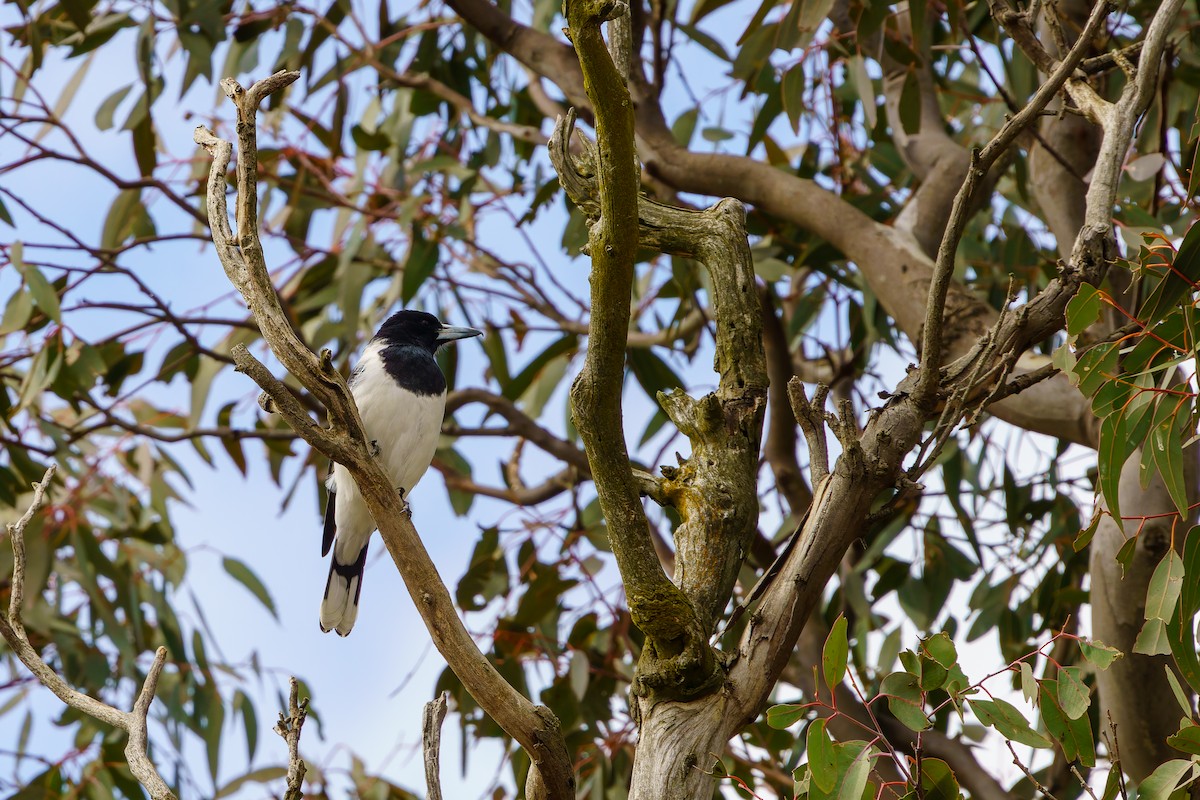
[{"x": 330, "y": 524}]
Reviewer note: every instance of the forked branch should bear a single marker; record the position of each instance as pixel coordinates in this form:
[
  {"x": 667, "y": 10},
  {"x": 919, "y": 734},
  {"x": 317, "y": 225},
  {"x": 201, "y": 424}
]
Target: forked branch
[{"x": 534, "y": 727}]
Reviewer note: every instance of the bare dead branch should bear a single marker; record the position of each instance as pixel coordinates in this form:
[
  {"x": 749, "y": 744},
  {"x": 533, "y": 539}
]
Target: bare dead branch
[
  {"x": 132, "y": 722},
  {"x": 431, "y": 744},
  {"x": 810, "y": 416},
  {"x": 16, "y": 537},
  {"x": 928, "y": 382},
  {"x": 288, "y": 727}
]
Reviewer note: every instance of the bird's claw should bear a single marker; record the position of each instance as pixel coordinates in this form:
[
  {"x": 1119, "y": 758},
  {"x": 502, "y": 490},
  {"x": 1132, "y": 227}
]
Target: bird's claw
[
  {"x": 373, "y": 445},
  {"x": 405, "y": 506}
]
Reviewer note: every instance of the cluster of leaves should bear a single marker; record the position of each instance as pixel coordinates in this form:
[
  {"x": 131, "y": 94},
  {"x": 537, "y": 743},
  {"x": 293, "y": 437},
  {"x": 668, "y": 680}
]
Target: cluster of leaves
[
  {"x": 581, "y": 673},
  {"x": 1143, "y": 399},
  {"x": 1143, "y": 391},
  {"x": 932, "y": 692}
]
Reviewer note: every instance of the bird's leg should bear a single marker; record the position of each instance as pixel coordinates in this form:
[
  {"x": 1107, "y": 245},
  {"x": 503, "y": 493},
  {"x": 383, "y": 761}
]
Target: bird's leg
[
  {"x": 374, "y": 447},
  {"x": 405, "y": 507}
]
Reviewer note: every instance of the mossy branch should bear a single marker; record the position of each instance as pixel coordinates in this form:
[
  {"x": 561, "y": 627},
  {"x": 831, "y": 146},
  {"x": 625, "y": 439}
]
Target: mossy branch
[
  {"x": 656, "y": 605},
  {"x": 715, "y": 491}
]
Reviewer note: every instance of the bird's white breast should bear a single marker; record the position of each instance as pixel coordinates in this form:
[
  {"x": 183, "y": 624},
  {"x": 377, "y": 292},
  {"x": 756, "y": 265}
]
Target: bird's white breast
[{"x": 405, "y": 426}]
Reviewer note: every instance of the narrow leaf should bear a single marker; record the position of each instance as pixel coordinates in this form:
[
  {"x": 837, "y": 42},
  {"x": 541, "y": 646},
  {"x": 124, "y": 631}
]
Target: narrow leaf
[
  {"x": 1163, "y": 780},
  {"x": 246, "y": 577},
  {"x": 822, "y": 760},
  {"x": 834, "y": 655}
]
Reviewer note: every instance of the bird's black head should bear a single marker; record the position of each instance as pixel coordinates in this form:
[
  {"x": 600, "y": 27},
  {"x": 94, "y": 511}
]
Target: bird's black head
[{"x": 420, "y": 329}]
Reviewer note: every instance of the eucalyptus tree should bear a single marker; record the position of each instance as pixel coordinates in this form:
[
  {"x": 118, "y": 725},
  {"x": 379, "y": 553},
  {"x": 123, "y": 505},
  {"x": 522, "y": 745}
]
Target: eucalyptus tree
[{"x": 810, "y": 196}]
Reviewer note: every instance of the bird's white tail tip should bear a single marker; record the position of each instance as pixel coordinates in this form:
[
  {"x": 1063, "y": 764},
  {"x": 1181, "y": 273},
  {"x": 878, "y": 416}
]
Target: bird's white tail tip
[{"x": 339, "y": 608}]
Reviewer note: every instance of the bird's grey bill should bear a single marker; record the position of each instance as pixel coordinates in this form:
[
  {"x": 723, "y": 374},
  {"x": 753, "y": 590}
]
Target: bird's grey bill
[{"x": 449, "y": 333}]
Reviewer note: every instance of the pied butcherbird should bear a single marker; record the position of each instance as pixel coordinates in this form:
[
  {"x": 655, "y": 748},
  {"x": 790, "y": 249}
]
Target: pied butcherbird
[{"x": 401, "y": 396}]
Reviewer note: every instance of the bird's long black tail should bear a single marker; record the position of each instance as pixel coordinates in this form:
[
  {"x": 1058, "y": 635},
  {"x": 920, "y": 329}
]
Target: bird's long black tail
[{"x": 339, "y": 609}]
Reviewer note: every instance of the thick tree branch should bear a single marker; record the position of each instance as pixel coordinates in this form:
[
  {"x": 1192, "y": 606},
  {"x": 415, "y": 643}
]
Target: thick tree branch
[
  {"x": 538, "y": 51},
  {"x": 534, "y": 727},
  {"x": 674, "y": 633},
  {"x": 713, "y": 490},
  {"x": 133, "y": 722}
]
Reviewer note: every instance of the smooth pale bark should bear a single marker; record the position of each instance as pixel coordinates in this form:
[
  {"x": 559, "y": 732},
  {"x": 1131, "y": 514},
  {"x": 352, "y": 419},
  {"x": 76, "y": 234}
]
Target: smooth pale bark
[{"x": 1134, "y": 691}]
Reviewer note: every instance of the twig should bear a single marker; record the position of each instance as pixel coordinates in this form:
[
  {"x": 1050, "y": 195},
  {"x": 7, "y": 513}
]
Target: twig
[
  {"x": 1083, "y": 781},
  {"x": 1032, "y": 779},
  {"x": 289, "y": 728},
  {"x": 132, "y": 722},
  {"x": 431, "y": 744}
]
